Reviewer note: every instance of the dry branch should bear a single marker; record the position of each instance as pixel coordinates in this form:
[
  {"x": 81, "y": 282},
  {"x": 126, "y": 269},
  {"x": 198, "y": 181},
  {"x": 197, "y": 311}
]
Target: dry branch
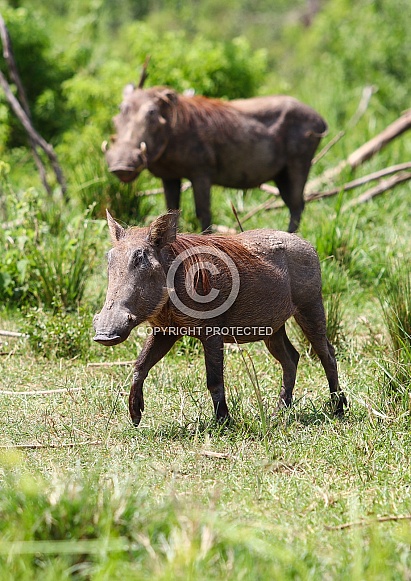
[
  {"x": 40, "y": 391},
  {"x": 12, "y": 334},
  {"x": 367, "y": 93},
  {"x": 379, "y": 189},
  {"x": 359, "y": 182},
  {"x": 22, "y": 112},
  {"x": 156, "y": 191},
  {"x": 63, "y": 445},
  {"x": 110, "y": 363},
  {"x": 363, "y": 522},
  {"x": 211, "y": 454},
  {"x": 366, "y": 151}
]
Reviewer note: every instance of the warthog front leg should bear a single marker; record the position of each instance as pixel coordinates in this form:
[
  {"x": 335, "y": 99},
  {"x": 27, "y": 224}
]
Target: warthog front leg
[
  {"x": 214, "y": 360},
  {"x": 172, "y": 191},
  {"x": 201, "y": 188},
  {"x": 154, "y": 349}
]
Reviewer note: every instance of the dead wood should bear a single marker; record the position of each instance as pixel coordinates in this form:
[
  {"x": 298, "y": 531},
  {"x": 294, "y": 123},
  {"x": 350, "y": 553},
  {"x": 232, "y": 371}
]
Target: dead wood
[
  {"x": 359, "y": 182},
  {"x": 22, "y": 111},
  {"x": 363, "y": 522},
  {"x": 367, "y": 93},
  {"x": 12, "y": 334},
  {"x": 366, "y": 151},
  {"x": 379, "y": 189},
  {"x": 110, "y": 363},
  {"x": 63, "y": 445},
  {"x": 40, "y": 391}
]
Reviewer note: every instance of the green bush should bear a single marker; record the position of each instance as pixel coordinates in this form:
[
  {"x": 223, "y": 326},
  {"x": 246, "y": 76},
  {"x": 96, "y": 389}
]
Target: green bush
[
  {"x": 42, "y": 68},
  {"x": 59, "y": 333},
  {"x": 46, "y": 260}
]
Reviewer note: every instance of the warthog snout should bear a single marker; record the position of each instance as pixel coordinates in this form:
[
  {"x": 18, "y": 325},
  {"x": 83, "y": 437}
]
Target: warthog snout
[
  {"x": 126, "y": 162},
  {"x": 112, "y": 328}
]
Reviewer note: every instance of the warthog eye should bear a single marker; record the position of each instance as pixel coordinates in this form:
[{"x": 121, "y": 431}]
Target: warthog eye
[{"x": 139, "y": 259}]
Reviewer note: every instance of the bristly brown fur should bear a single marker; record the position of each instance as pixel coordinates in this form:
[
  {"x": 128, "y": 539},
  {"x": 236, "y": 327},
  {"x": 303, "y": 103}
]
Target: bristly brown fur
[
  {"x": 212, "y": 114},
  {"x": 224, "y": 244}
]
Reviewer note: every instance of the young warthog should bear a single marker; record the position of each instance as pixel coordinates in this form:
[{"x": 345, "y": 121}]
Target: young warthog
[{"x": 220, "y": 289}]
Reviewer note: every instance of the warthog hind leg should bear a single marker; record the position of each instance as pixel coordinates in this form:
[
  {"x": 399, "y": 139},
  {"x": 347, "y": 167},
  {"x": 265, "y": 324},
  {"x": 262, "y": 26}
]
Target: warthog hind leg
[
  {"x": 282, "y": 349},
  {"x": 312, "y": 322}
]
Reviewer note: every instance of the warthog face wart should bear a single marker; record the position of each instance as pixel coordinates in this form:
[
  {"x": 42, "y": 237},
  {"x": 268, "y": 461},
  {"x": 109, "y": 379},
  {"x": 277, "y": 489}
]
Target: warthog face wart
[{"x": 136, "y": 285}]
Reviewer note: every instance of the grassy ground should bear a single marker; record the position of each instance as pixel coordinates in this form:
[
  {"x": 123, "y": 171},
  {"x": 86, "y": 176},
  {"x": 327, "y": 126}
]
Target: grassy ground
[{"x": 301, "y": 495}]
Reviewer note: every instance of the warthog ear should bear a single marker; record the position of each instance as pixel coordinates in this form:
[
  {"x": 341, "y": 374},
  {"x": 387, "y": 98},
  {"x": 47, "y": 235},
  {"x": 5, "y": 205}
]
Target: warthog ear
[
  {"x": 128, "y": 89},
  {"x": 167, "y": 95},
  {"x": 164, "y": 229},
  {"x": 116, "y": 231}
]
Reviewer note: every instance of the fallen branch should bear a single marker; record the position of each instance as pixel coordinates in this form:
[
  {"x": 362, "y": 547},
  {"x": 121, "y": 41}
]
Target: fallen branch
[
  {"x": 363, "y": 522},
  {"x": 12, "y": 334},
  {"x": 211, "y": 454},
  {"x": 379, "y": 189},
  {"x": 110, "y": 363},
  {"x": 366, "y": 151},
  {"x": 40, "y": 391},
  {"x": 359, "y": 182},
  {"x": 36, "y": 446},
  {"x": 22, "y": 112}
]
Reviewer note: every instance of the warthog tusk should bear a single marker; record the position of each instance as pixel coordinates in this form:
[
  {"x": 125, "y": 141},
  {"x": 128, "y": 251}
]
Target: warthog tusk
[
  {"x": 104, "y": 146},
  {"x": 143, "y": 150}
]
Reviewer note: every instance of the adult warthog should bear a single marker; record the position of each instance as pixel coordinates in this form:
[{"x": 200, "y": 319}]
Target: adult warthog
[
  {"x": 235, "y": 144},
  {"x": 238, "y": 288}
]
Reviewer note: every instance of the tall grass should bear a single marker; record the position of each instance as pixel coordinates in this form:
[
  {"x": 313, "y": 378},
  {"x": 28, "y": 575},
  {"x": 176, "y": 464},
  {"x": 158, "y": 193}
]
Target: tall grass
[
  {"x": 62, "y": 265},
  {"x": 395, "y": 300}
]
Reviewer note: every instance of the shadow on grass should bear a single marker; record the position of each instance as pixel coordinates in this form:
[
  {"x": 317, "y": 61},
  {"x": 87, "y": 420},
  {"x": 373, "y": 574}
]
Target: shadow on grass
[{"x": 247, "y": 426}]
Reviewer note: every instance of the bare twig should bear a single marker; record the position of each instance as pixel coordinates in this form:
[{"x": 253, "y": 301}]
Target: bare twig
[
  {"x": 236, "y": 217},
  {"x": 40, "y": 391},
  {"x": 359, "y": 182},
  {"x": 63, "y": 445},
  {"x": 9, "y": 58},
  {"x": 110, "y": 363},
  {"x": 329, "y": 145},
  {"x": 211, "y": 454},
  {"x": 366, "y": 151},
  {"x": 12, "y": 334},
  {"x": 379, "y": 189},
  {"x": 22, "y": 112},
  {"x": 363, "y": 522},
  {"x": 367, "y": 93},
  {"x": 156, "y": 191}
]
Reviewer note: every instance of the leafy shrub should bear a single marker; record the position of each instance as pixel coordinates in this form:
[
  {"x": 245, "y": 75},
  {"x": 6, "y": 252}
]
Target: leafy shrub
[
  {"x": 44, "y": 261},
  {"x": 42, "y": 73},
  {"x": 58, "y": 333},
  {"x": 350, "y": 45}
]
